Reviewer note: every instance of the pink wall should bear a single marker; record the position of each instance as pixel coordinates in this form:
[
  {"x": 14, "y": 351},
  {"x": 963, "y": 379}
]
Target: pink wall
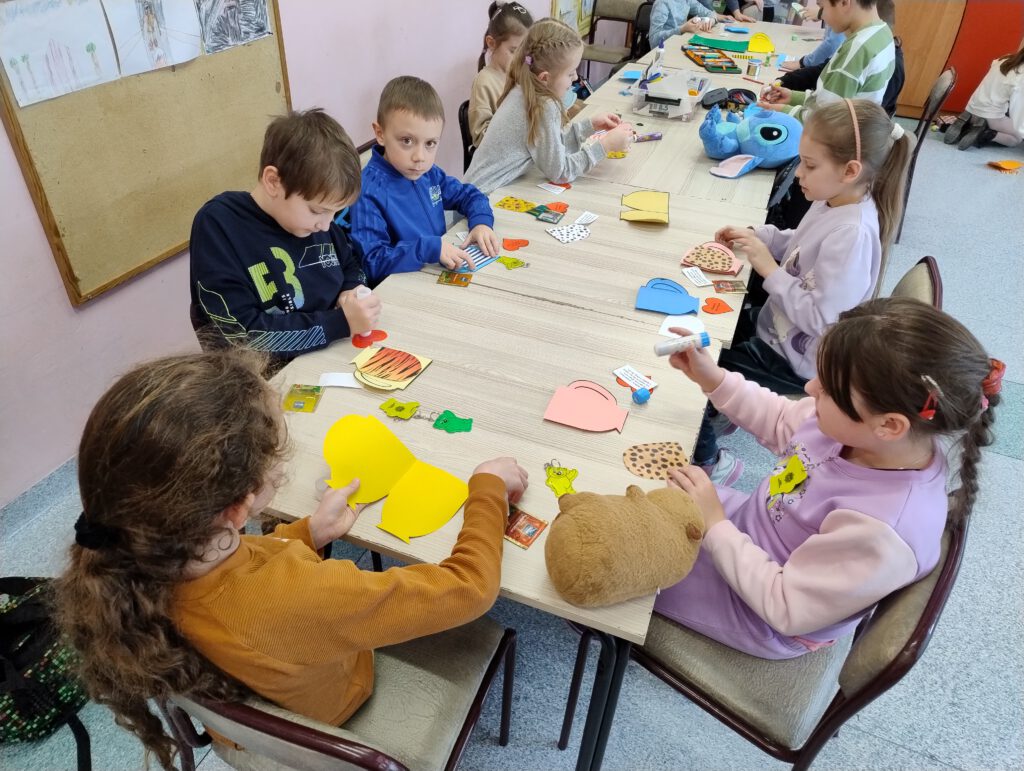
[{"x": 58, "y": 359}]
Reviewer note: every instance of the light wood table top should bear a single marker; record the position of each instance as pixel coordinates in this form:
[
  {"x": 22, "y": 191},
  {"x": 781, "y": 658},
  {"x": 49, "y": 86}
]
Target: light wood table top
[
  {"x": 781, "y": 36},
  {"x": 498, "y": 356}
]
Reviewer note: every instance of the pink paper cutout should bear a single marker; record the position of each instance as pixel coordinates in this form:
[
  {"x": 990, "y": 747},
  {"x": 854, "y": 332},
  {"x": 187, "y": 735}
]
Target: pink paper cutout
[
  {"x": 734, "y": 267},
  {"x": 586, "y": 405}
]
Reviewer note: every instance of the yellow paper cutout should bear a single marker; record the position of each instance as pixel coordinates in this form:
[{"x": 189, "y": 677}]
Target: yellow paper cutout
[
  {"x": 760, "y": 43},
  {"x": 388, "y": 369},
  {"x": 645, "y": 206},
  {"x": 615, "y": 154},
  {"x": 422, "y": 501},
  {"x": 512, "y": 203},
  {"x": 787, "y": 480},
  {"x": 421, "y": 497}
]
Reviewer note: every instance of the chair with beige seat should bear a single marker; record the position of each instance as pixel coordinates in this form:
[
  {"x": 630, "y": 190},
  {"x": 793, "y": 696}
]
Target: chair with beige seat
[{"x": 428, "y": 695}]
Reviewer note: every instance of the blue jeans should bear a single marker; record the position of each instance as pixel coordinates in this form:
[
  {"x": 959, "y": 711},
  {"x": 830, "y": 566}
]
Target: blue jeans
[{"x": 758, "y": 362}]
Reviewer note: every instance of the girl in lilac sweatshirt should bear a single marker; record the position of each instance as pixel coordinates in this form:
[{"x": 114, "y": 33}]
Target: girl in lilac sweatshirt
[
  {"x": 856, "y": 505},
  {"x": 853, "y": 163}
]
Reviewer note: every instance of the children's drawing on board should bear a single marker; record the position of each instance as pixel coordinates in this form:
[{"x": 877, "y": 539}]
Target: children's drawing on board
[
  {"x": 228, "y": 23},
  {"x": 150, "y": 34},
  {"x": 53, "y": 47}
]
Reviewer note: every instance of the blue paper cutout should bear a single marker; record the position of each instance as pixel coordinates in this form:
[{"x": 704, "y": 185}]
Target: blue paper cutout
[
  {"x": 663, "y": 295},
  {"x": 479, "y": 259}
]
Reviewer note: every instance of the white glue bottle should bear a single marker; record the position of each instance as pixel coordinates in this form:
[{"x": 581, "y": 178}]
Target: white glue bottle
[
  {"x": 361, "y": 292},
  {"x": 680, "y": 344}
]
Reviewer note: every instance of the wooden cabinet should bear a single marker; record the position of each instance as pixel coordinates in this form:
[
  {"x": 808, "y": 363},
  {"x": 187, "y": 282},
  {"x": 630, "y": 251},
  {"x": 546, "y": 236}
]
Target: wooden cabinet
[{"x": 928, "y": 29}]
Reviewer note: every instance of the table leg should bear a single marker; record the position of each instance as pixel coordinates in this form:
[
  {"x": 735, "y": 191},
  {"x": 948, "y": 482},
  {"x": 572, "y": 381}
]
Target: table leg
[
  {"x": 621, "y": 660},
  {"x": 592, "y": 730}
]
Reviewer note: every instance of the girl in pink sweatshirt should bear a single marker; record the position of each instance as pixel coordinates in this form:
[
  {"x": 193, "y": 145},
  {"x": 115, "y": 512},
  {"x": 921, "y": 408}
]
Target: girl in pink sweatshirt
[
  {"x": 853, "y": 163},
  {"x": 856, "y": 505}
]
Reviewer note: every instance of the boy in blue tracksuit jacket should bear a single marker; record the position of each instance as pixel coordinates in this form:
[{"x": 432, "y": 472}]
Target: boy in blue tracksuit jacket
[{"x": 399, "y": 218}]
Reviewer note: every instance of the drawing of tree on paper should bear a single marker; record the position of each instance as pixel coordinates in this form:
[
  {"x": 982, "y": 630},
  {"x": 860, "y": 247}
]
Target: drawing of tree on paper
[
  {"x": 228, "y": 23},
  {"x": 53, "y": 47},
  {"x": 150, "y": 34}
]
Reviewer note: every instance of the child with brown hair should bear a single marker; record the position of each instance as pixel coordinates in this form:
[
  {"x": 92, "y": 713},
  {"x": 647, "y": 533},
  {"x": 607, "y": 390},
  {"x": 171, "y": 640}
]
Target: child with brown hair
[
  {"x": 853, "y": 166},
  {"x": 995, "y": 112},
  {"x": 164, "y": 593},
  {"x": 531, "y": 125},
  {"x": 400, "y": 218},
  {"x": 507, "y": 26},
  {"x": 856, "y": 504},
  {"x": 269, "y": 268}
]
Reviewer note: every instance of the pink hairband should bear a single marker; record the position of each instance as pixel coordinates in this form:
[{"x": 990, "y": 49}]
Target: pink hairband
[{"x": 856, "y": 126}]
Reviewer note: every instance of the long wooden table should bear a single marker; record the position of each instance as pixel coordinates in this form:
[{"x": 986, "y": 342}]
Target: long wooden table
[{"x": 503, "y": 345}]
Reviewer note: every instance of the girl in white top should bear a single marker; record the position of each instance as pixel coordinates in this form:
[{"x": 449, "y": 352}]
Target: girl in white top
[
  {"x": 531, "y": 125},
  {"x": 995, "y": 112},
  {"x": 507, "y": 26}
]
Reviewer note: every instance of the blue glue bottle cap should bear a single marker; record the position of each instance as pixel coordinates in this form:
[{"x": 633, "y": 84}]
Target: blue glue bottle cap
[{"x": 641, "y": 396}]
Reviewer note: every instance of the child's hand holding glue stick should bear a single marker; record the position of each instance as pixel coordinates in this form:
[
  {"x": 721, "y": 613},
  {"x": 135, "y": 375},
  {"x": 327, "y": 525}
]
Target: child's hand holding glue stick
[
  {"x": 361, "y": 308},
  {"x": 687, "y": 354}
]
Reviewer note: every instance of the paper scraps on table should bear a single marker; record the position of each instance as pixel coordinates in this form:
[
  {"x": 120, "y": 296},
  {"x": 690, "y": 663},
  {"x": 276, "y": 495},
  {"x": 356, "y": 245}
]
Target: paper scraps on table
[
  {"x": 696, "y": 276},
  {"x": 654, "y": 460},
  {"x": 1006, "y": 167},
  {"x": 302, "y": 398},
  {"x": 729, "y": 286},
  {"x": 663, "y": 295},
  {"x": 586, "y": 218},
  {"x": 715, "y": 305},
  {"x": 559, "y": 479},
  {"x": 453, "y": 278},
  {"x": 421, "y": 497},
  {"x": 554, "y": 187},
  {"x": 339, "y": 380},
  {"x": 511, "y": 203},
  {"x": 513, "y": 244},
  {"x": 388, "y": 369},
  {"x": 371, "y": 337},
  {"x": 523, "y": 529},
  {"x": 399, "y": 410},
  {"x": 586, "y": 405},
  {"x": 633, "y": 378},
  {"x": 569, "y": 233},
  {"x": 480, "y": 259},
  {"x": 713, "y": 257},
  {"x": 511, "y": 263},
  {"x": 691, "y": 324},
  {"x": 645, "y": 206},
  {"x": 616, "y": 155},
  {"x": 451, "y": 423}
]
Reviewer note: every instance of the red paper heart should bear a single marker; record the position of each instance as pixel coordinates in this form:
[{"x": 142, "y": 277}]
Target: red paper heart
[
  {"x": 558, "y": 206},
  {"x": 365, "y": 341},
  {"x": 715, "y": 305},
  {"x": 511, "y": 244}
]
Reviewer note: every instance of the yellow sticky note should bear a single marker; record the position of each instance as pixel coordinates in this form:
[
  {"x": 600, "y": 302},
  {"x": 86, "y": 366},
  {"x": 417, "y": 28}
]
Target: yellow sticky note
[
  {"x": 422, "y": 501},
  {"x": 787, "y": 480}
]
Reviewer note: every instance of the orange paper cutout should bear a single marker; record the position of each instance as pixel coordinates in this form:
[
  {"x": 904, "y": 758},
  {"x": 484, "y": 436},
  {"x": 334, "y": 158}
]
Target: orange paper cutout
[
  {"x": 365, "y": 341},
  {"x": 512, "y": 244},
  {"x": 559, "y": 206},
  {"x": 715, "y": 305}
]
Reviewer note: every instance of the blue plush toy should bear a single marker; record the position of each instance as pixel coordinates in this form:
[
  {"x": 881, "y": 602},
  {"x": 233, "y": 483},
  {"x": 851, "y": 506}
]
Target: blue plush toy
[{"x": 760, "y": 138}]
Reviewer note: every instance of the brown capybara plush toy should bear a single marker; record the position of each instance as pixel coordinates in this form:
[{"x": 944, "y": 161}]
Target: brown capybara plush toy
[{"x": 604, "y": 549}]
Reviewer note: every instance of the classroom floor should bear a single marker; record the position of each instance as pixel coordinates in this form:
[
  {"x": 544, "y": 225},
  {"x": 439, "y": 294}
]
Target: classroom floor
[{"x": 961, "y": 707}]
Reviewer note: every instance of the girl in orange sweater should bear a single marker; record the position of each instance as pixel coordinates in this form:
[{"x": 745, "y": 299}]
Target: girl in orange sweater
[{"x": 164, "y": 594}]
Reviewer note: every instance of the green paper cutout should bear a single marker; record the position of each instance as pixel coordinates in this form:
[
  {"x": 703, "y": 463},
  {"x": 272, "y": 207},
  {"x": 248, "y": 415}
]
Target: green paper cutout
[{"x": 451, "y": 423}]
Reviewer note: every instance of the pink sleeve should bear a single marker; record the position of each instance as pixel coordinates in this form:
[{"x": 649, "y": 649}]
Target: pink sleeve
[
  {"x": 849, "y": 565},
  {"x": 771, "y": 418}
]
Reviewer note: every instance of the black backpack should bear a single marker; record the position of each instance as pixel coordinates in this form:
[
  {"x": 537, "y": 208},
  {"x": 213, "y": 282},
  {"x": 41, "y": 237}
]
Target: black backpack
[{"x": 39, "y": 690}]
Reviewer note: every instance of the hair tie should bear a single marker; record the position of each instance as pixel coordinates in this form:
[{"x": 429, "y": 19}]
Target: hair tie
[
  {"x": 94, "y": 536},
  {"x": 529, "y": 60},
  {"x": 993, "y": 382},
  {"x": 856, "y": 126},
  {"x": 897, "y": 131},
  {"x": 931, "y": 403}
]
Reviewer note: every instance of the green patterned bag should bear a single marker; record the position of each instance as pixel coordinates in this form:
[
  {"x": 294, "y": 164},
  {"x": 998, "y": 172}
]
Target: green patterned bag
[{"x": 39, "y": 690}]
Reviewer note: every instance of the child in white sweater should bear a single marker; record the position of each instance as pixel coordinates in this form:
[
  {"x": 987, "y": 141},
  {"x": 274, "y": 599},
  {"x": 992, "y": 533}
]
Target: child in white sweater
[{"x": 996, "y": 110}]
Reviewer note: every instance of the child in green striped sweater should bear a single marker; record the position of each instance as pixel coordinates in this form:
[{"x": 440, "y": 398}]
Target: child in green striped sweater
[{"x": 860, "y": 69}]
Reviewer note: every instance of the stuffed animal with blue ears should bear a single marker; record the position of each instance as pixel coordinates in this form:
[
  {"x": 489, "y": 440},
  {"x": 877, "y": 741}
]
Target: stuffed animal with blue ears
[{"x": 761, "y": 138}]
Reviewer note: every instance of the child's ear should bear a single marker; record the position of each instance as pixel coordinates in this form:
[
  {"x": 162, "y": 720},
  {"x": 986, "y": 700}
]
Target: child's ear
[
  {"x": 852, "y": 171},
  {"x": 490, "y": 42},
  {"x": 378, "y": 132},
  {"x": 238, "y": 513},
  {"x": 544, "y": 77},
  {"x": 892, "y": 426},
  {"x": 270, "y": 179}
]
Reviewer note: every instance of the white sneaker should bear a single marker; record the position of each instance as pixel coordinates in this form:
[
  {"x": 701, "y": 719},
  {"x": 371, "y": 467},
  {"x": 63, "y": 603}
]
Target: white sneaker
[{"x": 726, "y": 470}]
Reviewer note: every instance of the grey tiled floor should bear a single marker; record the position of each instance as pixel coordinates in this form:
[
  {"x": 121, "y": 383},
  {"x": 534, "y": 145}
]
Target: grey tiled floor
[{"x": 961, "y": 707}]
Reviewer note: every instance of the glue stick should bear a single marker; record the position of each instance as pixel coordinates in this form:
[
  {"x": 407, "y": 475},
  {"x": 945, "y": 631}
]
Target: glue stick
[
  {"x": 680, "y": 344},
  {"x": 361, "y": 292}
]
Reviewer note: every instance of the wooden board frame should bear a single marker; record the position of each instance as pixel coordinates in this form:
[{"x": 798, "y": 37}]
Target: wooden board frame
[{"x": 83, "y": 275}]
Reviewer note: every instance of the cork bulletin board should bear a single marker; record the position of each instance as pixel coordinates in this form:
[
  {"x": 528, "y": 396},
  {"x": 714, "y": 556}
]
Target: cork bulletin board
[{"x": 118, "y": 171}]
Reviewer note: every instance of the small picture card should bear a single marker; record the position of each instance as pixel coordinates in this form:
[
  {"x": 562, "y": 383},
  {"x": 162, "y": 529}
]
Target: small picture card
[
  {"x": 454, "y": 278},
  {"x": 553, "y": 188},
  {"x": 729, "y": 286},
  {"x": 586, "y": 218},
  {"x": 634, "y": 378},
  {"x": 523, "y": 529},
  {"x": 551, "y": 217},
  {"x": 569, "y": 233},
  {"x": 302, "y": 398},
  {"x": 696, "y": 277}
]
